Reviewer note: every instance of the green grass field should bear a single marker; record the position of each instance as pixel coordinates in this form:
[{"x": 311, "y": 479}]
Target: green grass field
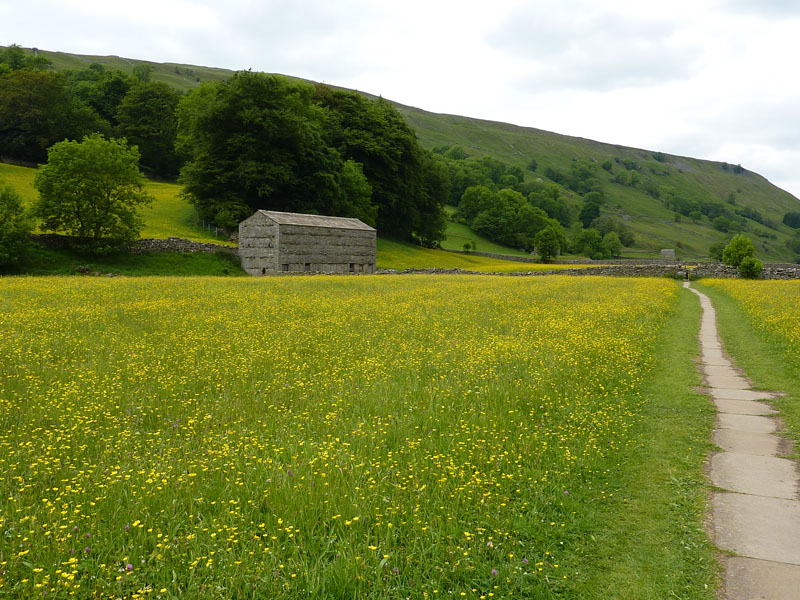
[{"x": 351, "y": 437}]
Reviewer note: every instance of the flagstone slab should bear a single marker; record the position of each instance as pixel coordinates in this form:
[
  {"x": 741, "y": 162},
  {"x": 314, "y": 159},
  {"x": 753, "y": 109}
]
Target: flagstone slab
[
  {"x": 753, "y": 579},
  {"x": 729, "y": 382},
  {"x": 746, "y": 442},
  {"x": 743, "y": 407},
  {"x": 757, "y": 475},
  {"x": 756, "y": 424},
  {"x": 757, "y": 526},
  {"x": 729, "y": 394}
]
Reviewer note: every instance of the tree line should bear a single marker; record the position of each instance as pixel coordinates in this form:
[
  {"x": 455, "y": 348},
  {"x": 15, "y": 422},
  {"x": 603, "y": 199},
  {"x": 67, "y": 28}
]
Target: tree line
[
  {"x": 495, "y": 200},
  {"x": 254, "y": 141}
]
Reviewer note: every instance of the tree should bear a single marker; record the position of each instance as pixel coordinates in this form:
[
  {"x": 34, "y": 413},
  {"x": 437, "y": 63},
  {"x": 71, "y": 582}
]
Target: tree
[
  {"x": 532, "y": 165},
  {"x": 612, "y": 242},
  {"x": 409, "y": 186},
  {"x": 37, "y": 111},
  {"x": 590, "y": 243},
  {"x": 142, "y": 73},
  {"x": 591, "y": 208},
  {"x": 715, "y": 250},
  {"x": 722, "y": 223},
  {"x": 737, "y": 249},
  {"x": 255, "y": 141},
  {"x": 547, "y": 243},
  {"x": 146, "y": 118},
  {"x": 792, "y": 219},
  {"x": 91, "y": 190},
  {"x": 15, "y": 225},
  {"x": 751, "y": 267}
]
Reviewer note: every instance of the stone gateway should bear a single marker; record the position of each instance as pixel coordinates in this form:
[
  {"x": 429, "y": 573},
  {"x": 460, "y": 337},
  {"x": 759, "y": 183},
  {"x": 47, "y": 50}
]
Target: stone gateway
[{"x": 272, "y": 242}]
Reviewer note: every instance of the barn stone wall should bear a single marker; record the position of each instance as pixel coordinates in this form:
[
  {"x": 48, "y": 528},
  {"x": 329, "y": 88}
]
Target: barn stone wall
[
  {"x": 258, "y": 246},
  {"x": 326, "y": 250}
]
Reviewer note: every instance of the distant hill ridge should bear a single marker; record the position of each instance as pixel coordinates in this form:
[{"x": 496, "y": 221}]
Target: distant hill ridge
[{"x": 649, "y": 190}]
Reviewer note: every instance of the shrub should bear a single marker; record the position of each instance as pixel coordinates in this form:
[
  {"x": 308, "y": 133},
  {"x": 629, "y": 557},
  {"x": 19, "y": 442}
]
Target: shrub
[
  {"x": 739, "y": 248},
  {"x": 751, "y": 267}
]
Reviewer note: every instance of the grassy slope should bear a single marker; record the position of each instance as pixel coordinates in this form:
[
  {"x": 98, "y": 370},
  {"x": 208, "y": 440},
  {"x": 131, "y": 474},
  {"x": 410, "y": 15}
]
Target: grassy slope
[
  {"x": 183, "y": 77},
  {"x": 650, "y": 220}
]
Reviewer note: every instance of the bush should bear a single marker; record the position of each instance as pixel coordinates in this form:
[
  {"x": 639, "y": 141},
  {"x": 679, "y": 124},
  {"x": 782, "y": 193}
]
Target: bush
[
  {"x": 751, "y": 267},
  {"x": 739, "y": 248},
  {"x": 15, "y": 226}
]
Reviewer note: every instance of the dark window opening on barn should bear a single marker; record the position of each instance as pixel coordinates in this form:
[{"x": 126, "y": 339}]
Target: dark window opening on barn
[
  {"x": 284, "y": 267},
  {"x": 352, "y": 267},
  {"x": 308, "y": 266}
]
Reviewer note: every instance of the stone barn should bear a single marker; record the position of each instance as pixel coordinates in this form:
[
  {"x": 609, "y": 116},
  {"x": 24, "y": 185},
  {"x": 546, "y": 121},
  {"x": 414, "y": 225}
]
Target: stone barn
[{"x": 272, "y": 242}]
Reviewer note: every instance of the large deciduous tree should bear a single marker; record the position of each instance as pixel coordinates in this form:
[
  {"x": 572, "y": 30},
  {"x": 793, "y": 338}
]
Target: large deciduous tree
[
  {"x": 37, "y": 111},
  {"x": 739, "y": 248},
  {"x": 409, "y": 187},
  {"x": 146, "y": 118},
  {"x": 257, "y": 141},
  {"x": 91, "y": 190}
]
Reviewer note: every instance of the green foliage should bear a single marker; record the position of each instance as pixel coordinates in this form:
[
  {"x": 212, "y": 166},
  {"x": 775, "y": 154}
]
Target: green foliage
[
  {"x": 15, "y": 226},
  {"x": 606, "y": 224},
  {"x": 548, "y": 197},
  {"x": 456, "y": 153},
  {"x": 37, "y": 111},
  {"x": 612, "y": 242},
  {"x": 532, "y": 165},
  {"x": 143, "y": 73},
  {"x": 261, "y": 141},
  {"x": 737, "y": 250},
  {"x": 590, "y": 210},
  {"x": 100, "y": 89},
  {"x": 256, "y": 141},
  {"x": 548, "y": 243},
  {"x": 792, "y": 219},
  {"x": 146, "y": 117},
  {"x": 91, "y": 190},
  {"x": 505, "y": 217},
  {"x": 590, "y": 243},
  {"x": 409, "y": 186},
  {"x": 722, "y": 223},
  {"x": 716, "y": 250},
  {"x": 751, "y": 267},
  {"x": 14, "y": 58}
]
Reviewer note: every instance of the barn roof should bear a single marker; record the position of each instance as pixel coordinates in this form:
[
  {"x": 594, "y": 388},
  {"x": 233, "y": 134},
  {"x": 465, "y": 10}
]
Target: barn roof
[{"x": 286, "y": 218}]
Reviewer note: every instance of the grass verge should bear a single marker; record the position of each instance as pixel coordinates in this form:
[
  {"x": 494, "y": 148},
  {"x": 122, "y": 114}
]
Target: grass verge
[
  {"x": 769, "y": 362},
  {"x": 648, "y": 540},
  {"x": 45, "y": 261},
  {"x": 402, "y": 255}
]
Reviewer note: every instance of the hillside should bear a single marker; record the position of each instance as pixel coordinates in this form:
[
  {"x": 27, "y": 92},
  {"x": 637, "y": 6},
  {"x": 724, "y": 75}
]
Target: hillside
[{"x": 639, "y": 186}]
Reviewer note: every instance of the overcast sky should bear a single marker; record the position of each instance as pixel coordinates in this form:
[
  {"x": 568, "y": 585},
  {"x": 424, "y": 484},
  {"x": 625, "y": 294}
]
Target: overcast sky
[{"x": 714, "y": 79}]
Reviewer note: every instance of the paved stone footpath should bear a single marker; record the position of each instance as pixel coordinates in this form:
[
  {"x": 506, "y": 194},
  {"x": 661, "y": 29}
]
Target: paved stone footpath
[{"x": 755, "y": 510}]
